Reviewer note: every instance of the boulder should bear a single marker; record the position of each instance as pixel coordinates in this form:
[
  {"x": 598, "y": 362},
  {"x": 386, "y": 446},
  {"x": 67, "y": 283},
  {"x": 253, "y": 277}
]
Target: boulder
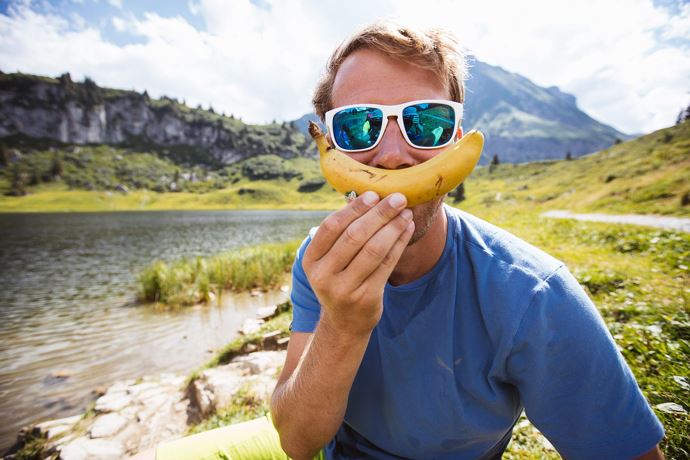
[
  {"x": 92, "y": 449},
  {"x": 251, "y": 326},
  {"x": 113, "y": 401},
  {"x": 216, "y": 387},
  {"x": 265, "y": 313},
  {"x": 107, "y": 425},
  {"x": 52, "y": 428}
]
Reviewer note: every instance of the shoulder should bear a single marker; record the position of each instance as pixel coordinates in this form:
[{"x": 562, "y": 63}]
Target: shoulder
[
  {"x": 504, "y": 274},
  {"x": 486, "y": 242}
]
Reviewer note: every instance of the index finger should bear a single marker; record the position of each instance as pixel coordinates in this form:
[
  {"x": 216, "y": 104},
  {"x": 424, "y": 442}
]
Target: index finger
[{"x": 334, "y": 225}]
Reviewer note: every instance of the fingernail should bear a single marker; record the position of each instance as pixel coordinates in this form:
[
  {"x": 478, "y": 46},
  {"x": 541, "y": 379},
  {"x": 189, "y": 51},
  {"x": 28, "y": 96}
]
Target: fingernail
[
  {"x": 370, "y": 198},
  {"x": 406, "y": 214},
  {"x": 397, "y": 200}
]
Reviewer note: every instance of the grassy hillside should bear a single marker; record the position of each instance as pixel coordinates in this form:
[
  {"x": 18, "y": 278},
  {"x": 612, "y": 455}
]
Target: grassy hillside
[
  {"x": 648, "y": 175},
  {"x": 104, "y": 178}
]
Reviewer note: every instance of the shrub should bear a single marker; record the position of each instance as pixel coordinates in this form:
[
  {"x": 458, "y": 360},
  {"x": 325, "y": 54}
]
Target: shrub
[{"x": 311, "y": 185}]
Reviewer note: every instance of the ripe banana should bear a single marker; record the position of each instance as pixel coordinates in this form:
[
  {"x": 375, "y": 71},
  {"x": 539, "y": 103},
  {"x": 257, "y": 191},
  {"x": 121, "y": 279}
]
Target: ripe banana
[{"x": 420, "y": 183}]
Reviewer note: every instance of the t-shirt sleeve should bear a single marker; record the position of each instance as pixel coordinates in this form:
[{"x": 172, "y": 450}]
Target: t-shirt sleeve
[
  {"x": 574, "y": 383},
  {"x": 305, "y": 306}
]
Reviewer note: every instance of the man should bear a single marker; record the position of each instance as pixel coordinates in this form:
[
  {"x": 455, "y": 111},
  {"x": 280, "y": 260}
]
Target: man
[{"x": 424, "y": 332}]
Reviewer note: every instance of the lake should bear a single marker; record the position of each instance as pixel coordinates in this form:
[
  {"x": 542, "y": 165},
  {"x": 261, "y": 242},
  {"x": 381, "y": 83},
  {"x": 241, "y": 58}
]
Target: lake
[{"x": 67, "y": 301}]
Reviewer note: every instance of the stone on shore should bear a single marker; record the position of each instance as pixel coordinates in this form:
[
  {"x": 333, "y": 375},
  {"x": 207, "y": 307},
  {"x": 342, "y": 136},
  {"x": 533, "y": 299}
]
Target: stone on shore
[
  {"x": 92, "y": 449},
  {"x": 107, "y": 425},
  {"x": 53, "y": 428},
  {"x": 265, "y": 313},
  {"x": 251, "y": 325},
  {"x": 216, "y": 387}
]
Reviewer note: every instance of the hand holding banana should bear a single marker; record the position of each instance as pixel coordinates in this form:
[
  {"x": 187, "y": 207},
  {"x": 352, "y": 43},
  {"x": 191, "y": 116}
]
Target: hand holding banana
[{"x": 419, "y": 184}]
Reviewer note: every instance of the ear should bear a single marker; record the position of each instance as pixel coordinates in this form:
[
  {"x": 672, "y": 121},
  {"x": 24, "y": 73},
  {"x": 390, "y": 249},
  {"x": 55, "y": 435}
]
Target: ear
[{"x": 459, "y": 133}]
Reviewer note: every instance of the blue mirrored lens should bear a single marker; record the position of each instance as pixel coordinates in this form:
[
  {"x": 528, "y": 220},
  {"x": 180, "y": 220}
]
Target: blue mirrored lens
[
  {"x": 357, "y": 127},
  {"x": 429, "y": 124}
]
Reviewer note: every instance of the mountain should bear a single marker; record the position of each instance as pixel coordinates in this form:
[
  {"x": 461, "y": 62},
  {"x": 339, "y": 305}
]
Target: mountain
[
  {"x": 35, "y": 109},
  {"x": 523, "y": 121}
]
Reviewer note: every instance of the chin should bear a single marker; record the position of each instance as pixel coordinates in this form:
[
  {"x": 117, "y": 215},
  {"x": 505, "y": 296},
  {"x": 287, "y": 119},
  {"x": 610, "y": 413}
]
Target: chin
[{"x": 424, "y": 216}]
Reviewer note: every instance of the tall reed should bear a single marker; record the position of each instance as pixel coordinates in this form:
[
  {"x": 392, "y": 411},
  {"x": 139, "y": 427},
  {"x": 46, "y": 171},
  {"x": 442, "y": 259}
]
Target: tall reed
[{"x": 193, "y": 280}]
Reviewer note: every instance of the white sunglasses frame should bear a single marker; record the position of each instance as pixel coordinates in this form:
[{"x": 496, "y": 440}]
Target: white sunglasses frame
[{"x": 397, "y": 111}]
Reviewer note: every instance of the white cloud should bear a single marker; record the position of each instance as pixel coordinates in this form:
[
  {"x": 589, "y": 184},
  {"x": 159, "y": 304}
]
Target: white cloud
[
  {"x": 116, "y": 3},
  {"x": 626, "y": 61}
]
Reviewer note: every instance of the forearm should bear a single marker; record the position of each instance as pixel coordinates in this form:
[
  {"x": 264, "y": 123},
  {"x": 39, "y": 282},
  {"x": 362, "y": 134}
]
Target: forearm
[{"x": 308, "y": 408}]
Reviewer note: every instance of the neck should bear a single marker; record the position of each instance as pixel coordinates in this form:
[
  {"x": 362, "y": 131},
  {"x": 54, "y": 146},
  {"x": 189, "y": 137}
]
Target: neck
[{"x": 420, "y": 257}]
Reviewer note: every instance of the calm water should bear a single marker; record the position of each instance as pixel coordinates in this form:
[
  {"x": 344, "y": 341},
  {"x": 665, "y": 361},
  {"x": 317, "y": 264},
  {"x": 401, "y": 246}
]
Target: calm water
[{"x": 67, "y": 285}]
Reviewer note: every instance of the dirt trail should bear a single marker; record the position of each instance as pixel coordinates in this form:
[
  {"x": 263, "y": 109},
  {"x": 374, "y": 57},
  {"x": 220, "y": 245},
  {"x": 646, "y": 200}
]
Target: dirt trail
[{"x": 675, "y": 223}]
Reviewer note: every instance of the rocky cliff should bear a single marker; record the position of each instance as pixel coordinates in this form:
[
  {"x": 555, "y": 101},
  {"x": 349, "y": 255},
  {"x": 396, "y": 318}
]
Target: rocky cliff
[{"x": 64, "y": 111}]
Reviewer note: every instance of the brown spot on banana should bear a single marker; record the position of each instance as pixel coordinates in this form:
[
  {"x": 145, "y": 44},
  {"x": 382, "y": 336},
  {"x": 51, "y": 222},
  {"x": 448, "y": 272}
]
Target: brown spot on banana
[{"x": 439, "y": 183}]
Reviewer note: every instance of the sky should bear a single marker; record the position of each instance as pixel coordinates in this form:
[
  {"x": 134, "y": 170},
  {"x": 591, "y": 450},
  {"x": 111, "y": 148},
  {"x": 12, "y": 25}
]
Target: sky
[{"x": 626, "y": 61}]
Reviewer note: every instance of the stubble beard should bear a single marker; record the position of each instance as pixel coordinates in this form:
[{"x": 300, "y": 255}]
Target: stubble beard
[{"x": 424, "y": 216}]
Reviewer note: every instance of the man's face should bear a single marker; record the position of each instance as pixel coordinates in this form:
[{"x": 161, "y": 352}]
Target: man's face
[{"x": 369, "y": 76}]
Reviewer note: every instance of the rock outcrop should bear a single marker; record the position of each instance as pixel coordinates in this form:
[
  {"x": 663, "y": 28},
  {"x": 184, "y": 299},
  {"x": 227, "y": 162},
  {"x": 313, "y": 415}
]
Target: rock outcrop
[{"x": 64, "y": 111}]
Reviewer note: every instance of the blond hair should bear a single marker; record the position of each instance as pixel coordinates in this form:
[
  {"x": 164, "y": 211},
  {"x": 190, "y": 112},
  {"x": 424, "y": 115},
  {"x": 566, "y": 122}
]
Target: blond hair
[{"x": 431, "y": 49}]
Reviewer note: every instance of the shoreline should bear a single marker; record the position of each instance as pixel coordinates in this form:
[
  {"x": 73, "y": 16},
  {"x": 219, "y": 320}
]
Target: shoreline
[
  {"x": 132, "y": 415},
  {"x": 190, "y": 209},
  {"x": 250, "y": 196}
]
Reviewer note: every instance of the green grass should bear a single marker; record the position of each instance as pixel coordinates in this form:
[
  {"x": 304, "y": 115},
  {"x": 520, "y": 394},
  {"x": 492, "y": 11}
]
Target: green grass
[
  {"x": 192, "y": 280},
  {"x": 242, "y": 195}
]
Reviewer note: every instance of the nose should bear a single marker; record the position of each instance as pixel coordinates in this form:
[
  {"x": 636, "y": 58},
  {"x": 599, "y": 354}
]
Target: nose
[{"x": 393, "y": 152}]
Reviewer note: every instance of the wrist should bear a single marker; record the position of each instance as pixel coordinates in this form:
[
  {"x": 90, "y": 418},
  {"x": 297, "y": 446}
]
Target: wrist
[{"x": 343, "y": 333}]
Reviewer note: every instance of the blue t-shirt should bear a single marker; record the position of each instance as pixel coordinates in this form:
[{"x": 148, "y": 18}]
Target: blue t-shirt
[{"x": 497, "y": 326}]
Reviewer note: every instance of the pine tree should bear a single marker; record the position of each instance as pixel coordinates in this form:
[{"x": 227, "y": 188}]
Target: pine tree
[
  {"x": 17, "y": 186},
  {"x": 56, "y": 167},
  {"x": 35, "y": 176},
  {"x": 458, "y": 194},
  {"x": 4, "y": 155},
  {"x": 683, "y": 115},
  {"x": 494, "y": 163}
]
